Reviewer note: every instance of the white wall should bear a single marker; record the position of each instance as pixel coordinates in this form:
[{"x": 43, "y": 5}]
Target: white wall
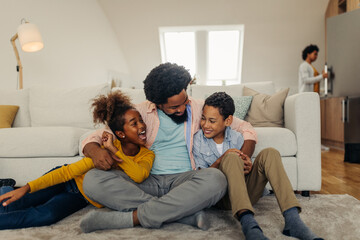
[
  {"x": 81, "y": 47},
  {"x": 276, "y": 32}
]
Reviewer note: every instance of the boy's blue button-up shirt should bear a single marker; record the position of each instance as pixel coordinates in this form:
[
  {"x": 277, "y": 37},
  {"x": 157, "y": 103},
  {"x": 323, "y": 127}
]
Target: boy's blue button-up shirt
[{"x": 205, "y": 151}]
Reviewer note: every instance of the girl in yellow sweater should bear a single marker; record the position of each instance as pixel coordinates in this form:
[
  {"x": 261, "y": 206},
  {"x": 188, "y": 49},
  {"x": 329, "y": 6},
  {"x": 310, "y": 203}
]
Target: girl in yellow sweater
[{"x": 59, "y": 193}]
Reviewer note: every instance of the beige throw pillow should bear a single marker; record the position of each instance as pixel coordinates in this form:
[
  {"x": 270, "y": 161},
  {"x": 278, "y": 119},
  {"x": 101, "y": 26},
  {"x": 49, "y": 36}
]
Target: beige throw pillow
[
  {"x": 7, "y": 115},
  {"x": 266, "y": 110}
]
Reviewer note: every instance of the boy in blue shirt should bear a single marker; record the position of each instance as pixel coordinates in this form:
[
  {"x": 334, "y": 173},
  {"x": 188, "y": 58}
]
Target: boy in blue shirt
[{"x": 217, "y": 145}]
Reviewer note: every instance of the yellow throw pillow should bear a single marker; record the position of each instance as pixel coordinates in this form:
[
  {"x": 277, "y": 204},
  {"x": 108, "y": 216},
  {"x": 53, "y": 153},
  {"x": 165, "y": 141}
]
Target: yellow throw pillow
[
  {"x": 7, "y": 115},
  {"x": 266, "y": 110}
]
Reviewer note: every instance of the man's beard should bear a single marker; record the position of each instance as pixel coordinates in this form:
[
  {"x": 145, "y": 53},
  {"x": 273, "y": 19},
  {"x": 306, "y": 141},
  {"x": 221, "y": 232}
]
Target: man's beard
[{"x": 178, "y": 119}]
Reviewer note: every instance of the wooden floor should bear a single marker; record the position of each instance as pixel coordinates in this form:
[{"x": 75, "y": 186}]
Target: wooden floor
[{"x": 339, "y": 177}]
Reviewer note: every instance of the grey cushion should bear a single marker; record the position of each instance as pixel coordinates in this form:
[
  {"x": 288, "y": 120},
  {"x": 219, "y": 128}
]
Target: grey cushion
[{"x": 242, "y": 105}]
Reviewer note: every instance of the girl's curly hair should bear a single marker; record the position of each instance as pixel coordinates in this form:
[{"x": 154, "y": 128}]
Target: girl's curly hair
[{"x": 110, "y": 109}]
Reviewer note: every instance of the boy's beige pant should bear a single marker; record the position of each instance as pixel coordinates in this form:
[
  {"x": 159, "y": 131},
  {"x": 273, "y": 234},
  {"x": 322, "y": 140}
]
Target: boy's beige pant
[{"x": 244, "y": 191}]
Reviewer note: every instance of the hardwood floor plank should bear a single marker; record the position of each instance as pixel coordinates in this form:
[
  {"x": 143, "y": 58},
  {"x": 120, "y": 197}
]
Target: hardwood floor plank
[{"x": 339, "y": 177}]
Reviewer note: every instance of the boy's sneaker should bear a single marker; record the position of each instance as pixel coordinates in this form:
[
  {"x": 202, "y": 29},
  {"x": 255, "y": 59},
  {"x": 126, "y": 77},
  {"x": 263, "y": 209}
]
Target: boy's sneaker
[{"x": 7, "y": 182}]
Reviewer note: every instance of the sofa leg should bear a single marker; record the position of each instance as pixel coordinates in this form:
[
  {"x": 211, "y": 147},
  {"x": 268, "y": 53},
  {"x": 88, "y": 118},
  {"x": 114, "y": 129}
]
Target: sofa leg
[{"x": 305, "y": 193}]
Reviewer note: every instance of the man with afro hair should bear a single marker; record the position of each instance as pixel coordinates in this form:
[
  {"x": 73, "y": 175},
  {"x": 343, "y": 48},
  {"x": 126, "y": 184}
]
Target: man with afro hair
[{"x": 174, "y": 191}]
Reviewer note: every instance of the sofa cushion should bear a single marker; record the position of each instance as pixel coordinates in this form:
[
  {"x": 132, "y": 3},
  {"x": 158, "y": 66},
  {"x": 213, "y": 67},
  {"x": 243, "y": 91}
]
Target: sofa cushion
[
  {"x": 7, "y": 115},
  {"x": 25, "y": 170},
  {"x": 201, "y": 91},
  {"x": 281, "y": 139},
  {"x": 136, "y": 95},
  {"x": 242, "y": 105},
  {"x": 64, "y": 107},
  {"x": 40, "y": 141},
  {"x": 267, "y": 87},
  {"x": 19, "y": 98},
  {"x": 266, "y": 110}
]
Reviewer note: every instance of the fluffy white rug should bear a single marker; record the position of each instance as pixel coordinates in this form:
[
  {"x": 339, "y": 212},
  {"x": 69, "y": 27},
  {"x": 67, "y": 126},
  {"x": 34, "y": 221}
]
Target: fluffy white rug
[{"x": 329, "y": 216}]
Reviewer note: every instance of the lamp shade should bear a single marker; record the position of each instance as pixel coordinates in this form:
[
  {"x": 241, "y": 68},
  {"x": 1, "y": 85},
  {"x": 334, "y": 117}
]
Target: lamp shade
[{"x": 29, "y": 37}]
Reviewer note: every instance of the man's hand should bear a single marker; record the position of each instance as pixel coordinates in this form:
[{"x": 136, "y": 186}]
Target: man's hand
[
  {"x": 248, "y": 147},
  {"x": 102, "y": 158},
  {"x": 14, "y": 195}
]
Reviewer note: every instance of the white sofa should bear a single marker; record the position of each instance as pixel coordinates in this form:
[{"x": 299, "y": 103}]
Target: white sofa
[
  {"x": 51, "y": 124},
  {"x": 46, "y": 131}
]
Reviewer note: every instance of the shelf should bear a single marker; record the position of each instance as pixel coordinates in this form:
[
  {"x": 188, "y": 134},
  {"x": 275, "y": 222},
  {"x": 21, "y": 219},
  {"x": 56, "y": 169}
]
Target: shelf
[
  {"x": 341, "y": 2},
  {"x": 342, "y": 6}
]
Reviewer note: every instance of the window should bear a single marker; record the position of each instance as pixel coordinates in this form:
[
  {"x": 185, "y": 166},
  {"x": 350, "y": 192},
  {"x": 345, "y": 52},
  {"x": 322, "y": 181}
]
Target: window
[
  {"x": 180, "y": 49},
  {"x": 211, "y": 53}
]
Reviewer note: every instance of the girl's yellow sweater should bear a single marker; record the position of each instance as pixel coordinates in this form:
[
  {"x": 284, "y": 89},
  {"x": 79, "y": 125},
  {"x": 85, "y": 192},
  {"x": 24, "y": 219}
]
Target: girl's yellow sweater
[{"x": 136, "y": 167}]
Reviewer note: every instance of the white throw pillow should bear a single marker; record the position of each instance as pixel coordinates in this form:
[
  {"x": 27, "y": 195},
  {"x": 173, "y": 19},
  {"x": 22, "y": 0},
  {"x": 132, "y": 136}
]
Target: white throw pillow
[
  {"x": 64, "y": 107},
  {"x": 19, "y": 98}
]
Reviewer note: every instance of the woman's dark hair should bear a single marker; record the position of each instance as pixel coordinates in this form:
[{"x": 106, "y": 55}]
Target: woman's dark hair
[
  {"x": 165, "y": 81},
  {"x": 110, "y": 109},
  {"x": 223, "y": 102},
  {"x": 309, "y": 49}
]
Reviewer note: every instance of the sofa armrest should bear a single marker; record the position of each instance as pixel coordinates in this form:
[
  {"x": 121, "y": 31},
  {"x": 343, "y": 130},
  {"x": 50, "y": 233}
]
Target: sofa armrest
[{"x": 302, "y": 116}]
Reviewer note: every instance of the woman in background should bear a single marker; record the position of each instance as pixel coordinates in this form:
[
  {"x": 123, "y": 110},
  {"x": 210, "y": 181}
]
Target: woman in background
[{"x": 309, "y": 78}]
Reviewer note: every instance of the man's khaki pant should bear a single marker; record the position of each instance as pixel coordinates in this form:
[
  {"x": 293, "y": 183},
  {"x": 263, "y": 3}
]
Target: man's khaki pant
[{"x": 245, "y": 191}]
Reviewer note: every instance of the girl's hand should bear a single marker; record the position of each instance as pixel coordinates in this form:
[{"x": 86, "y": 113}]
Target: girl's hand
[
  {"x": 107, "y": 139},
  {"x": 14, "y": 195}
]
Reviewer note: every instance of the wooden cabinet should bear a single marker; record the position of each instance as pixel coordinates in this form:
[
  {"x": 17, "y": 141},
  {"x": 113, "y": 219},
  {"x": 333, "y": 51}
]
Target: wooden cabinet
[
  {"x": 352, "y": 5},
  {"x": 336, "y": 7},
  {"x": 332, "y": 9},
  {"x": 334, "y": 125},
  {"x": 332, "y": 122}
]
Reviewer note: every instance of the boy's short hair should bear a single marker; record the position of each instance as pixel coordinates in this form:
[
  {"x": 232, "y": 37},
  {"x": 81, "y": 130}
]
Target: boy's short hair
[{"x": 223, "y": 102}]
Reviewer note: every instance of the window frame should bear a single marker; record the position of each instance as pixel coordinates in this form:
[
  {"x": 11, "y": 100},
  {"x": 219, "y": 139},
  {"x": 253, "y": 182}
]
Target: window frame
[{"x": 201, "y": 59}]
